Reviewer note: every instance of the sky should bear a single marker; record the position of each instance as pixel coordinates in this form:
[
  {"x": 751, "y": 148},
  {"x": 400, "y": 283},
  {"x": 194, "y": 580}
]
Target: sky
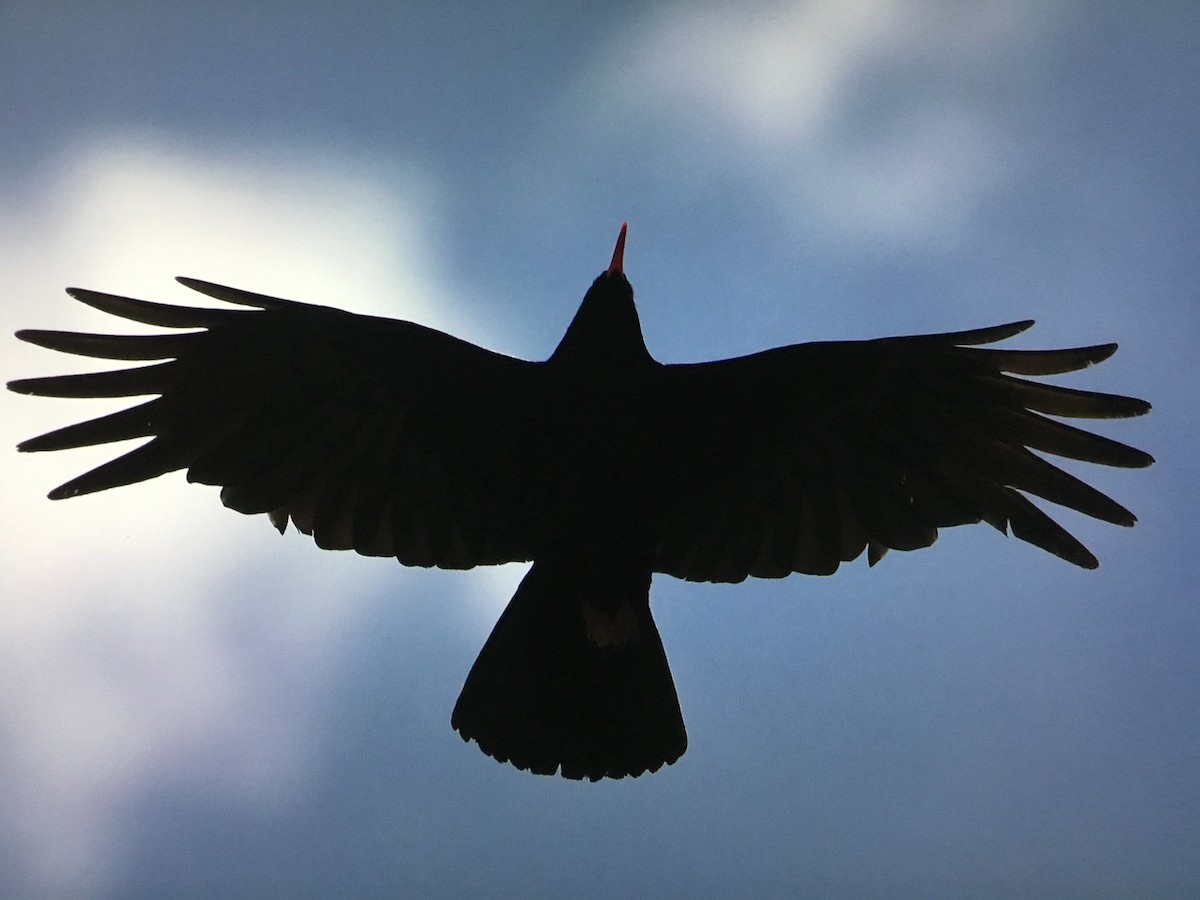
[{"x": 191, "y": 705}]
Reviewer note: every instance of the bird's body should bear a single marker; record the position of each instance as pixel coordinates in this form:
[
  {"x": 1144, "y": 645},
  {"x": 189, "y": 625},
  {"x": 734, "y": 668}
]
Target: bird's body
[{"x": 600, "y": 465}]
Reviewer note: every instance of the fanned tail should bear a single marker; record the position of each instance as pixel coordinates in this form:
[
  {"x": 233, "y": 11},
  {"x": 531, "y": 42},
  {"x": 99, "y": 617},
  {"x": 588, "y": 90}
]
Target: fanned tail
[{"x": 562, "y": 684}]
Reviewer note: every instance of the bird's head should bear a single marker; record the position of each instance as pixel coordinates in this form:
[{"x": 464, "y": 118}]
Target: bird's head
[{"x": 606, "y": 329}]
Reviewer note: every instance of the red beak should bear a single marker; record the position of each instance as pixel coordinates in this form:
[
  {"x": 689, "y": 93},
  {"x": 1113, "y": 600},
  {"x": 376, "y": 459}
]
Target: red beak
[{"x": 617, "y": 266}]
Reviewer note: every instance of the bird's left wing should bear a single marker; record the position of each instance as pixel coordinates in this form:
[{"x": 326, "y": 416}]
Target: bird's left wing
[
  {"x": 373, "y": 434},
  {"x": 802, "y": 457}
]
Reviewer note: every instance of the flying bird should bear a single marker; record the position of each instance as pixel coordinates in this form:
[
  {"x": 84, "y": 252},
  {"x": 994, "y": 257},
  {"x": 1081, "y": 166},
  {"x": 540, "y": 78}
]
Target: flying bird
[{"x": 600, "y": 465}]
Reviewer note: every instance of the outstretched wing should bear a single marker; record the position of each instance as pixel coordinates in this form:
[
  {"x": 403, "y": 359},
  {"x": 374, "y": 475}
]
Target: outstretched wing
[
  {"x": 799, "y": 458},
  {"x": 367, "y": 433}
]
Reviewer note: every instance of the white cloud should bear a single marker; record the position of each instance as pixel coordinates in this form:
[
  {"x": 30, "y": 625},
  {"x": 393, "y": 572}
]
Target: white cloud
[
  {"x": 772, "y": 72},
  {"x": 138, "y": 211},
  {"x": 117, "y": 658},
  {"x": 796, "y": 94}
]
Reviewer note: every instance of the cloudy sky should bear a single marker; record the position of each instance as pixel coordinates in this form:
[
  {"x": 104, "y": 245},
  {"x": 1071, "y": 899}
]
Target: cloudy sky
[{"x": 190, "y": 704}]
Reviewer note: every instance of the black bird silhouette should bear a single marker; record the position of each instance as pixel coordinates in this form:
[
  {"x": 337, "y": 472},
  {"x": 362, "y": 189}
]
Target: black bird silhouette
[{"x": 600, "y": 465}]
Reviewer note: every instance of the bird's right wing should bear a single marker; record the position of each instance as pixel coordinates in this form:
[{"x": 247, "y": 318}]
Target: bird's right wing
[
  {"x": 373, "y": 434},
  {"x": 799, "y": 458}
]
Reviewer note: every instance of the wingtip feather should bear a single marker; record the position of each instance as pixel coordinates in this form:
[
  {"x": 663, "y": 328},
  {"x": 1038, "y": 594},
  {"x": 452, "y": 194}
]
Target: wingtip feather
[
  {"x": 234, "y": 295},
  {"x": 989, "y": 335}
]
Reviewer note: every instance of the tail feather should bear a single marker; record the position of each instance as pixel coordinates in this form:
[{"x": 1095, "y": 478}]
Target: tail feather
[{"x": 545, "y": 695}]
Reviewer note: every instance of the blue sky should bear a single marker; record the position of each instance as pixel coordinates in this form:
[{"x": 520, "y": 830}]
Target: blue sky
[{"x": 190, "y": 704}]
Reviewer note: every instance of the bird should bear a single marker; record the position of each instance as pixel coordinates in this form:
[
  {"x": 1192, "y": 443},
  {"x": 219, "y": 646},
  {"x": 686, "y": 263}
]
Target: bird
[{"x": 599, "y": 465}]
